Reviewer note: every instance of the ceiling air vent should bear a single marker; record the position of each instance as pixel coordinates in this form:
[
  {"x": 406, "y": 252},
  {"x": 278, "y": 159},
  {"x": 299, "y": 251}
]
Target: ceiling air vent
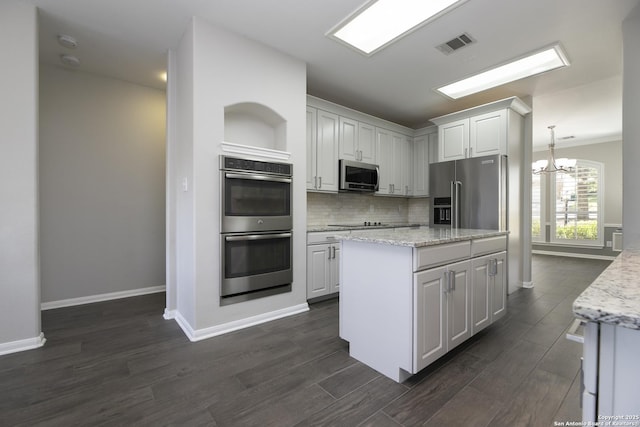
[{"x": 454, "y": 44}]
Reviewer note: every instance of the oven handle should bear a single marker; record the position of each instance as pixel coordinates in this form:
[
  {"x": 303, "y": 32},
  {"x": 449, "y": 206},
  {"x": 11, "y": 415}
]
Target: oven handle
[
  {"x": 257, "y": 237},
  {"x": 256, "y": 177}
]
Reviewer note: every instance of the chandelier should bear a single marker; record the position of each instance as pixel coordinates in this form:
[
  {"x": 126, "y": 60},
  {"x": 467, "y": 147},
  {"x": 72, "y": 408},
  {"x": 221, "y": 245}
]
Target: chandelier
[{"x": 552, "y": 165}]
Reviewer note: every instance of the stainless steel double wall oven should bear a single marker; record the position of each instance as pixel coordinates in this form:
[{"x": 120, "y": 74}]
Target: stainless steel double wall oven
[{"x": 256, "y": 229}]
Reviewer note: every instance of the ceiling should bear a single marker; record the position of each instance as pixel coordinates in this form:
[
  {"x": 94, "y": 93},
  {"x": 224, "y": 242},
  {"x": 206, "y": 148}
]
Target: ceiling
[{"x": 128, "y": 40}]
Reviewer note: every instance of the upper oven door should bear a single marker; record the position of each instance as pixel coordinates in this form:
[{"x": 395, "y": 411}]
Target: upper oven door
[{"x": 255, "y": 202}]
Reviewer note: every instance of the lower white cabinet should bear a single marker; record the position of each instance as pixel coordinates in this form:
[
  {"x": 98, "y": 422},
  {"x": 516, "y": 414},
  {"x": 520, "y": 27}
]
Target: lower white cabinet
[
  {"x": 488, "y": 290},
  {"x": 323, "y": 269},
  {"x": 442, "y": 309},
  {"x": 323, "y": 263}
]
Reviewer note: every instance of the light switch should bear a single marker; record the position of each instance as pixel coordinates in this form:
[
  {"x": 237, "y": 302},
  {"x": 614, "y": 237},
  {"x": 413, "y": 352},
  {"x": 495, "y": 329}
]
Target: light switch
[{"x": 185, "y": 184}]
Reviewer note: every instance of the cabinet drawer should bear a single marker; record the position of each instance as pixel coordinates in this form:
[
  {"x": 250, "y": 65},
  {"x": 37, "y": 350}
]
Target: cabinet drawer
[
  {"x": 432, "y": 256},
  {"x": 318, "y": 237},
  {"x": 488, "y": 245}
]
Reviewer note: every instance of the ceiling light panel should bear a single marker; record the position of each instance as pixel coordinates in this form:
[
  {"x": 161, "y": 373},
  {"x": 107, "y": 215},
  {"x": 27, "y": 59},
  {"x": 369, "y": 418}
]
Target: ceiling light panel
[
  {"x": 538, "y": 62},
  {"x": 380, "y": 23}
]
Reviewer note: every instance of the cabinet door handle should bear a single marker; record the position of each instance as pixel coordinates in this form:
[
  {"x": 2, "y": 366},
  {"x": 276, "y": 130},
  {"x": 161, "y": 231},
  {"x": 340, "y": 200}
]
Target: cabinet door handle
[
  {"x": 471, "y": 152},
  {"x": 466, "y": 151},
  {"x": 452, "y": 281},
  {"x": 406, "y": 190},
  {"x": 334, "y": 251},
  {"x": 329, "y": 253},
  {"x": 315, "y": 182},
  {"x": 446, "y": 282},
  {"x": 493, "y": 267},
  {"x": 319, "y": 182}
]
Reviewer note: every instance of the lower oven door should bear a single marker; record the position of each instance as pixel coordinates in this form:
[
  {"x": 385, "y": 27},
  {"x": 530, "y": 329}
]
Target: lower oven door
[{"x": 255, "y": 261}]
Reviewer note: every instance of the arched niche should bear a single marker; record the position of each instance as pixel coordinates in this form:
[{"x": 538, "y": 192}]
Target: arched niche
[{"x": 255, "y": 125}]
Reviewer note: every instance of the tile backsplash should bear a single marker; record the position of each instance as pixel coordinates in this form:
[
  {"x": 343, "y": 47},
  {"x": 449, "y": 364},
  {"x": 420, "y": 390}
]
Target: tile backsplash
[{"x": 354, "y": 208}]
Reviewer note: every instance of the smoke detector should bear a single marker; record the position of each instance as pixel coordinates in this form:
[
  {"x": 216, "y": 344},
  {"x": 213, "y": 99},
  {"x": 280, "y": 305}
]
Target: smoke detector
[
  {"x": 67, "y": 41},
  {"x": 70, "y": 60},
  {"x": 456, "y": 43}
]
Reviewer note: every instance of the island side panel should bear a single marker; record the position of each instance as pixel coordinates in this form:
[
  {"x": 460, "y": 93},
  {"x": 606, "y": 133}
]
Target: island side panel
[{"x": 376, "y": 305}]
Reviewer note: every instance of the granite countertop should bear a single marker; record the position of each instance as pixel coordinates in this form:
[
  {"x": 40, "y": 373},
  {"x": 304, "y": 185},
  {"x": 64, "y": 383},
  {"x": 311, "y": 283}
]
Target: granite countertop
[
  {"x": 420, "y": 237},
  {"x": 321, "y": 228},
  {"x": 614, "y": 297}
]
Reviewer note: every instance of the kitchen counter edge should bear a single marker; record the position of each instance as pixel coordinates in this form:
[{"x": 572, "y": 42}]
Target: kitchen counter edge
[
  {"x": 614, "y": 297},
  {"x": 420, "y": 237}
]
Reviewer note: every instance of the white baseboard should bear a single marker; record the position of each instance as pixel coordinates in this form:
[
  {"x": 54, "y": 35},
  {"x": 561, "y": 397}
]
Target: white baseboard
[
  {"x": 201, "y": 334},
  {"x": 527, "y": 285},
  {"x": 573, "y": 255},
  {"x": 22, "y": 345},
  {"x": 101, "y": 297},
  {"x": 169, "y": 314}
]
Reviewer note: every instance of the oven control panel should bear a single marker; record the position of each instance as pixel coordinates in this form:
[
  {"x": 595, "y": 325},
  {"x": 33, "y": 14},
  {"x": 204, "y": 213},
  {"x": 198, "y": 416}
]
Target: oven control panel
[{"x": 246, "y": 165}]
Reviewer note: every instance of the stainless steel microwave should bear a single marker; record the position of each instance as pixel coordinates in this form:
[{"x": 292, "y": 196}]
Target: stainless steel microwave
[{"x": 358, "y": 176}]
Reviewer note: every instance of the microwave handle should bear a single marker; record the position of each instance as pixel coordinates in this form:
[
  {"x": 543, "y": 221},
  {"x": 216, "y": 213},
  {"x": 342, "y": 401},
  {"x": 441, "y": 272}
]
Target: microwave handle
[
  {"x": 377, "y": 178},
  {"x": 257, "y": 237},
  {"x": 256, "y": 177}
]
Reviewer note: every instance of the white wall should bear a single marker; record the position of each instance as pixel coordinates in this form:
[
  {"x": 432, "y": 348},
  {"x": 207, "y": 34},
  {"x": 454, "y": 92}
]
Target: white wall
[
  {"x": 102, "y": 185},
  {"x": 216, "y": 69},
  {"x": 631, "y": 129},
  {"x": 19, "y": 271}
]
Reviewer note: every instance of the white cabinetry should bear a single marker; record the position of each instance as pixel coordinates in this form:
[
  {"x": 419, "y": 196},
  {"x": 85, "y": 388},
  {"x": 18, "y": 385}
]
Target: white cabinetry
[
  {"x": 476, "y": 136},
  {"x": 430, "y": 319},
  {"x": 489, "y": 290},
  {"x": 442, "y": 306},
  {"x": 422, "y": 147},
  {"x": 453, "y": 140},
  {"x": 401, "y": 308},
  {"x": 323, "y": 264},
  {"x": 394, "y": 151},
  {"x": 335, "y": 132},
  {"x": 322, "y": 150},
  {"x": 479, "y": 131},
  {"x": 357, "y": 141}
]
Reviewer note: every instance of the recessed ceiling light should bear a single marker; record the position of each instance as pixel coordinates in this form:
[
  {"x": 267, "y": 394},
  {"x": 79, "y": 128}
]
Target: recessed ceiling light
[
  {"x": 67, "y": 41},
  {"x": 379, "y": 23},
  {"x": 70, "y": 60},
  {"x": 538, "y": 62}
]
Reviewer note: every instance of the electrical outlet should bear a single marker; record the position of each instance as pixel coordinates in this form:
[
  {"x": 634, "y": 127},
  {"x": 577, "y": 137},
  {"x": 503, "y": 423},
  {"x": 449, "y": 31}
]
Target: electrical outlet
[{"x": 609, "y": 244}]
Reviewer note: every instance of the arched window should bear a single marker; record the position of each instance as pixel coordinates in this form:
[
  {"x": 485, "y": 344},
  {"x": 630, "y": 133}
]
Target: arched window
[{"x": 575, "y": 206}]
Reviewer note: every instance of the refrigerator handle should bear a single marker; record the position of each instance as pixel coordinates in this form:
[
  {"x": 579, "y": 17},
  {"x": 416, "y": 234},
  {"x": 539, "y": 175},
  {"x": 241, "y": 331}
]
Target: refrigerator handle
[
  {"x": 456, "y": 212},
  {"x": 452, "y": 193}
]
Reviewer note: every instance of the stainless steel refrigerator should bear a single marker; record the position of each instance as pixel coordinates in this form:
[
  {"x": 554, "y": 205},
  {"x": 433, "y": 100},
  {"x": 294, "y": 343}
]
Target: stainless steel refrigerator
[{"x": 469, "y": 193}]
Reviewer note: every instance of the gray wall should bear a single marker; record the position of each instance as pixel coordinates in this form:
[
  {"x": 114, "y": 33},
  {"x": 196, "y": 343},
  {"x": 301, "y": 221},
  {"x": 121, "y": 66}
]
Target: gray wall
[
  {"x": 102, "y": 201},
  {"x": 19, "y": 273},
  {"x": 631, "y": 128}
]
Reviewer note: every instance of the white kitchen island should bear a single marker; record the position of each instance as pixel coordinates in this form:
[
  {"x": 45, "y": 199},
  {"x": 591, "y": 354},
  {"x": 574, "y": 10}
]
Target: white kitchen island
[
  {"x": 610, "y": 306},
  {"x": 408, "y": 296}
]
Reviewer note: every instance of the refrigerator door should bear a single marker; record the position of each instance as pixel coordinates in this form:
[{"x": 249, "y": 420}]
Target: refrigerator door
[{"x": 482, "y": 192}]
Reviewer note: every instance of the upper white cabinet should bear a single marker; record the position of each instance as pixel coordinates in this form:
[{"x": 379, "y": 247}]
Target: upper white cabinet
[
  {"x": 322, "y": 150},
  {"x": 423, "y": 145},
  {"x": 335, "y": 132},
  {"x": 394, "y": 153},
  {"x": 357, "y": 141},
  {"x": 488, "y": 134},
  {"x": 479, "y": 131},
  {"x": 453, "y": 140}
]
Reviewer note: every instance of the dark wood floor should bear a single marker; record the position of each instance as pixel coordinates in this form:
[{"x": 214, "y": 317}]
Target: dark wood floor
[{"x": 119, "y": 363}]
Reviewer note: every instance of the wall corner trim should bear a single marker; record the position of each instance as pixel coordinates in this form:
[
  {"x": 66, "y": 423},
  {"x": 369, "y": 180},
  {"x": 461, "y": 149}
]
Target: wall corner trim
[
  {"x": 22, "y": 345},
  {"x": 224, "y": 328}
]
